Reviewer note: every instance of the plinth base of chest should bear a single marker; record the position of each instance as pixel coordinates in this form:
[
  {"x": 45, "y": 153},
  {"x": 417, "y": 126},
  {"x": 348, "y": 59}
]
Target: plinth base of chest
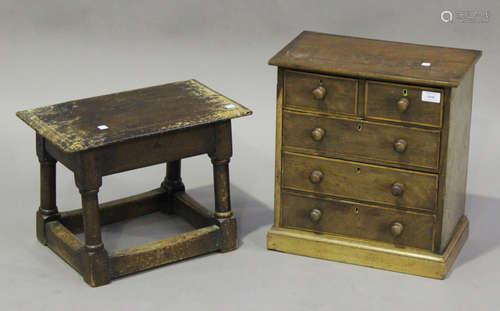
[{"x": 370, "y": 253}]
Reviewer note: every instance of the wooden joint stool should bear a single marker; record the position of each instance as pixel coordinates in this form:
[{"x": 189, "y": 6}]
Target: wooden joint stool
[{"x": 104, "y": 135}]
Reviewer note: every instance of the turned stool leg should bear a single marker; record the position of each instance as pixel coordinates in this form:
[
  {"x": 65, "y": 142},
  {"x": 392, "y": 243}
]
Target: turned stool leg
[
  {"x": 95, "y": 260},
  {"x": 220, "y": 161},
  {"x": 172, "y": 182},
  {"x": 221, "y": 188},
  {"x": 95, "y": 263},
  {"x": 91, "y": 219},
  {"x": 48, "y": 209}
]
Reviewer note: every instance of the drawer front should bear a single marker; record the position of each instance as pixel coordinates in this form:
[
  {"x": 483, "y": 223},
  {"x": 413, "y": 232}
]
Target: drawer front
[
  {"x": 320, "y": 93},
  {"x": 383, "y": 102},
  {"x": 396, "y": 187},
  {"x": 399, "y": 145},
  {"x": 358, "y": 220}
]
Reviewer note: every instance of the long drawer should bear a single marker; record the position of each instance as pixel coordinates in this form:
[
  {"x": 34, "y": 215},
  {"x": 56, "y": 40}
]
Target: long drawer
[
  {"x": 364, "y": 182},
  {"x": 361, "y": 140},
  {"x": 358, "y": 220}
]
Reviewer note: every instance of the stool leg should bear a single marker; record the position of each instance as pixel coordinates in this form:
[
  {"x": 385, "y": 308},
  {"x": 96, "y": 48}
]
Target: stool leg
[
  {"x": 91, "y": 219},
  {"x": 47, "y": 210},
  {"x": 220, "y": 161},
  {"x": 221, "y": 188},
  {"x": 96, "y": 266},
  {"x": 172, "y": 182},
  {"x": 95, "y": 259}
]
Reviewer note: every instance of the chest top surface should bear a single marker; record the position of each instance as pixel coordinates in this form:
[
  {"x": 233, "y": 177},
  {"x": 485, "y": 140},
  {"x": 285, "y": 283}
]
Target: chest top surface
[
  {"x": 98, "y": 121},
  {"x": 376, "y": 59}
]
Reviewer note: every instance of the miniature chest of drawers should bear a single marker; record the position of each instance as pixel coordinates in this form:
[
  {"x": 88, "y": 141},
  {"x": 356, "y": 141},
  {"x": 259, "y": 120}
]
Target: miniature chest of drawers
[{"x": 371, "y": 152}]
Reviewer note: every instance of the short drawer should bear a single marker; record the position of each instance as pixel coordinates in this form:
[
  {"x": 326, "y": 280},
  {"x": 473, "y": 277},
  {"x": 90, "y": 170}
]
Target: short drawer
[
  {"x": 358, "y": 220},
  {"x": 361, "y": 140},
  {"x": 320, "y": 93},
  {"x": 404, "y": 103},
  {"x": 365, "y": 182}
]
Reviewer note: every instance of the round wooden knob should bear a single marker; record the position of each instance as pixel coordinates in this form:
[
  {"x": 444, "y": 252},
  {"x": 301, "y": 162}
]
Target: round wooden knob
[
  {"x": 400, "y": 145},
  {"x": 397, "y": 189},
  {"x": 316, "y": 177},
  {"x": 403, "y": 104},
  {"x": 396, "y": 229},
  {"x": 315, "y": 215},
  {"x": 317, "y": 134},
  {"x": 319, "y": 93}
]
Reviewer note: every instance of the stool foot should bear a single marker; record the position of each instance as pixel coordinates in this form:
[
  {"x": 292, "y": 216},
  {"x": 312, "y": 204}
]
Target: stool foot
[
  {"x": 41, "y": 220},
  {"x": 95, "y": 265},
  {"x": 228, "y": 234}
]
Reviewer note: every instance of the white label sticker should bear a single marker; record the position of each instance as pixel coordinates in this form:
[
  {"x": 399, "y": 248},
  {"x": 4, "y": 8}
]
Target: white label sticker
[
  {"x": 103, "y": 127},
  {"x": 433, "y": 97},
  {"x": 230, "y": 106},
  {"x": 426, "y": 64}
]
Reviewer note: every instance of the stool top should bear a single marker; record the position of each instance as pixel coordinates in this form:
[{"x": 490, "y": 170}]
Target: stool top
[{"x": 103, "y": 120}]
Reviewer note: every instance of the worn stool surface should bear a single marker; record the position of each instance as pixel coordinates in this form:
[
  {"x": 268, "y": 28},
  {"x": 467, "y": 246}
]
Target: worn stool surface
[
  {"x": 113, "y": 133},
  {"x": 74, "y": 125}
]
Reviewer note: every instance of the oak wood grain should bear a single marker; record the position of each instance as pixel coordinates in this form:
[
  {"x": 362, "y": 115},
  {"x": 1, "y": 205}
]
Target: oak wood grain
[
  {"x": 376, "y": 59},
  {"x": 73, "y": 126},
  {"x": 361, "y": 140},
  {"x": 358, "y": 220},
  {"x": 382, "y": 98},
  {"x": 340, "y": 93},
  {"x": 360, "y": 181}
]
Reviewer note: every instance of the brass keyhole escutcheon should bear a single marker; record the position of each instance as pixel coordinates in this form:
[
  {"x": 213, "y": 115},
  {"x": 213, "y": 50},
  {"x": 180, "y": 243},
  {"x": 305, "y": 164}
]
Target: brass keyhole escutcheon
[
  {"x": 356, "y": 210},
  {"x": 405, "y": 92},
  {"x": 359, "y": 127},
  {"x": 358, "y": 170}
]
